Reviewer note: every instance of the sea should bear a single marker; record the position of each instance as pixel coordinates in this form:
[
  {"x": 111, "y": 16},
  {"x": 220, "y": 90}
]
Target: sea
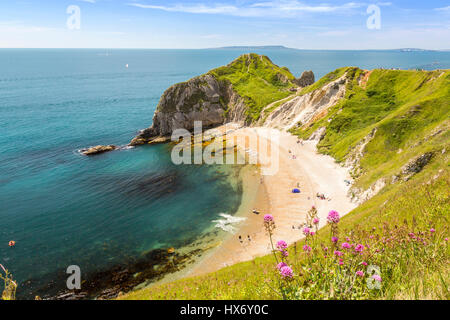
[{"x": 62, "y": 208}]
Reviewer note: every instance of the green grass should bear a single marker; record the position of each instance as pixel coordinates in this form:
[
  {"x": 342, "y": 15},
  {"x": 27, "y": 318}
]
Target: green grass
[
  {"x": 409, "y": 270},
  {"x": 256, "y": 79},
  {"x": 326, "y": 79}
]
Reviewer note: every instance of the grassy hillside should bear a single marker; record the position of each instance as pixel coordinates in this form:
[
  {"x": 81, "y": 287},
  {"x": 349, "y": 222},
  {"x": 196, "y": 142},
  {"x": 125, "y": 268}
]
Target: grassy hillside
[
  {"x": 414, "y": 272},
  {"x": 403, "y": 230},
  {"x": 257, "y": 80},
  {"x": 405, "y": 107}
]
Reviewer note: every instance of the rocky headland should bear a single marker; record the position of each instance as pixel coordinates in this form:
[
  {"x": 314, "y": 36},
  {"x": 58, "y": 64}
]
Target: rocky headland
[{"x": 220, "y": 96}]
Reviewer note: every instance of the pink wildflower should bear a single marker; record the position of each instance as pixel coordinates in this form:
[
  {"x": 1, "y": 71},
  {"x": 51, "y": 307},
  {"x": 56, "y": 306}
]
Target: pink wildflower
[
  {"x": 312, "y": 233},
  {"x": 338, "y": 253},
  {"x": 359, "y": 248},
  {"x": 281, "y": 265},
  {"x": 333, "y": 217},
  {"x": 306, "y": 248},
  {"x": 281, "y": 245},
  {"x": 306, "y": 231},
  {"x": 432, "y": 230},
  {"x": 316, "y": 220},
  {"x": 360, "y": 273},
  {"x": 286, "y": 272},
  {"x": 364, "y": 264},
  {"x": 334, "y": 239},
  {"x": 268, "y": 218},
  {"x": 376, "y": 277},
  {"x": 346, "y": 245}
]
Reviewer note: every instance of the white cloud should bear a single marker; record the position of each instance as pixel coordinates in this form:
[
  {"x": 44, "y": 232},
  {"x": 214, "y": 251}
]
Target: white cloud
[
  {"x": 260, "y": 9},
  {"x": 443, "y": 9},
  {"x": 191, "y": 9}
]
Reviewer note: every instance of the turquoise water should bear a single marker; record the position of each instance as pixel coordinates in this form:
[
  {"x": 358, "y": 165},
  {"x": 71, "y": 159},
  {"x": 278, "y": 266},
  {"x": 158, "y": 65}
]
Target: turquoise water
[{"x": 63, "y": 208}]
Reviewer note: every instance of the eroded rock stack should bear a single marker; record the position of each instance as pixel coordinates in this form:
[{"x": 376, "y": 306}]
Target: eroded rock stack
[{"x": 306, "y": 79}]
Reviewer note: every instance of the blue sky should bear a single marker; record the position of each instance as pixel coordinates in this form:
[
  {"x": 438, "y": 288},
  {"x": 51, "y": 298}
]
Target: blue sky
[{"x": 308, "y": 24}]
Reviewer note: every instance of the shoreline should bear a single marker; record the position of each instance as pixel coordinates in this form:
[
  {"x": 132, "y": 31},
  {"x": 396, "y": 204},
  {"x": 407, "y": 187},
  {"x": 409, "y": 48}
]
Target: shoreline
[
  {"x": 250, "y": 177},
  {"x": 313, "y": 172},
  {"x": 232, "y": 250},
  {"x": 272, "y": 194}
]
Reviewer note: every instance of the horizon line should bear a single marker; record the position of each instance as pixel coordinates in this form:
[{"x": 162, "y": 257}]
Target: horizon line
[{"x": 216, "y": 48}]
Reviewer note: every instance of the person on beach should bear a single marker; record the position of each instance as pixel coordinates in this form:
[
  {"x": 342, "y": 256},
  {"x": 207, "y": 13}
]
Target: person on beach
[{"x": 249, "y": 239}]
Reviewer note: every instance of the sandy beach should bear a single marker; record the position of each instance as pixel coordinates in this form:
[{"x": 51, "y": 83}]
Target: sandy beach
[{"x": 300, "y": 166}]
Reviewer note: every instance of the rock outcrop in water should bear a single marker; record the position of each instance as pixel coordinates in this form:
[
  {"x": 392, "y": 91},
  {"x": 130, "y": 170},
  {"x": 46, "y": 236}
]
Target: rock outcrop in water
[{"x": 97, "y": 150}]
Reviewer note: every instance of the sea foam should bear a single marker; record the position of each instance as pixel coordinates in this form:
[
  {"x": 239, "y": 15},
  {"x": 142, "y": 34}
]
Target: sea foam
[{"x": 226, "y": 224}]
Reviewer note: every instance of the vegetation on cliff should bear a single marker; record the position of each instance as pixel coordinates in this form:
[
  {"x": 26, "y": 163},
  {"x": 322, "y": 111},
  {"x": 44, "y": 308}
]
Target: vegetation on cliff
[
  {"x": 407, "y": 113},
  {"x": 258, "y": 80}
]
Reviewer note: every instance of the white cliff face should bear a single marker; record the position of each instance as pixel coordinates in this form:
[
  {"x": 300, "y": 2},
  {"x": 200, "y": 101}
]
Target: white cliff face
[
  {"x": 303, "y": 109},
  {"x": 200, "y": 99}
]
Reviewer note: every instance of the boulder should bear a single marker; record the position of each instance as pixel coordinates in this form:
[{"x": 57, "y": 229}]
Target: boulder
[
  {"x": 97, "y": 150},
  {"x": 416, "y": 165}
]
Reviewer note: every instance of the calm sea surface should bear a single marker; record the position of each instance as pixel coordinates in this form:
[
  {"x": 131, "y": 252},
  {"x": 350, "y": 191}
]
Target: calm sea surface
[{"x": 62, "y": 208}]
